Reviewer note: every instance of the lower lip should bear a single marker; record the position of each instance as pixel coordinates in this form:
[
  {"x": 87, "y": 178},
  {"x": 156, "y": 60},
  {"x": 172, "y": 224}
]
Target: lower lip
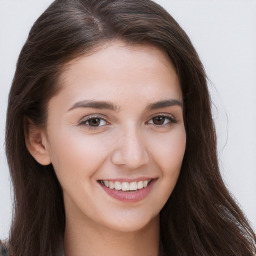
[{"x": 133, "y": 196}]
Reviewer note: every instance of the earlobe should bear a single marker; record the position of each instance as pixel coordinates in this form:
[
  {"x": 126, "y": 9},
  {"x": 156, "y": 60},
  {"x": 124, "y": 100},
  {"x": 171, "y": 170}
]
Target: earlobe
[{"x": 36, "y": 142}]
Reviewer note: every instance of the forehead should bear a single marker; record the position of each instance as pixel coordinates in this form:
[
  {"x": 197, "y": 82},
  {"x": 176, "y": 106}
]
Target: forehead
[{"x": 120, "y": 70}]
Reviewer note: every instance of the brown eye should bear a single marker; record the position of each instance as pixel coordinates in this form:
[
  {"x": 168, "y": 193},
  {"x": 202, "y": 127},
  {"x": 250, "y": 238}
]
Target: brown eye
[
  {"x": 159, "y": 120},
  {"x": 162, "y": 120},
  {"x": 94, "y": 121}
]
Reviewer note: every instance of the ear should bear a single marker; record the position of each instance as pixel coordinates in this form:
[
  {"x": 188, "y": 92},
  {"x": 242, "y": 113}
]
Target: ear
[{"x": 36, "y": 142}]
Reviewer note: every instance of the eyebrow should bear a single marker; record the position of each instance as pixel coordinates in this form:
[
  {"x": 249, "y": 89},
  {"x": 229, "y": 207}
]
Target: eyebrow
[
  {"x": 111, "y": 106},
  {"x": 164, "y": 104},
  {"x": 95, "y": 104}
]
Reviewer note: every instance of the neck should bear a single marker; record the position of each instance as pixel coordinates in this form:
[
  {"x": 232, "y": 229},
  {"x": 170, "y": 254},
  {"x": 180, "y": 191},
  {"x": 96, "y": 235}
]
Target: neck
[{"x": 81, "y": 240}]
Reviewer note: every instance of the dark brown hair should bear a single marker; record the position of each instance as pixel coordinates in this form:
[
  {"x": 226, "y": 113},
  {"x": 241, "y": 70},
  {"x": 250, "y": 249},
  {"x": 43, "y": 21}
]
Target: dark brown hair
[{"x": 200, "y": 217}]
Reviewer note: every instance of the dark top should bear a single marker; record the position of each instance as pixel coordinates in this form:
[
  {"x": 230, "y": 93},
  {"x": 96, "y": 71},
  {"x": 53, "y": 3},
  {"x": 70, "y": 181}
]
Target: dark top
[{"x": 3, "y": 249}]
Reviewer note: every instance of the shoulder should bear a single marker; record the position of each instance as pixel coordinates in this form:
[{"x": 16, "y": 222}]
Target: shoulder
[{"x": 3, "y": 249}]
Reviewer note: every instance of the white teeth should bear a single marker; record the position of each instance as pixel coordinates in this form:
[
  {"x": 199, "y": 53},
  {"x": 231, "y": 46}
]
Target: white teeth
[
  {"x": 111, "y": 184},
  {"x": 133, "y": 185},
  {"x": 106, "y": 183},
  {"x": 126, "y": 186},
  {"x": 118, "y": 185},
  {"x": 140, "y": 184},
  {"x": 145, "y": 183}
]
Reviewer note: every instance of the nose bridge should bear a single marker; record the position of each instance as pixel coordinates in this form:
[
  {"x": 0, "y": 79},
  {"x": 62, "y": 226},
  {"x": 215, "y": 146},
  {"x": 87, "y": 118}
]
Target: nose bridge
[{"x": 131, "y": 149}]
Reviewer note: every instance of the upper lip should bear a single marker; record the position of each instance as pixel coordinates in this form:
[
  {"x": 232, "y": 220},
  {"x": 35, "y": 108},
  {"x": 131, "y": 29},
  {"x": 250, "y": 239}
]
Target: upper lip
[{"x": 128, "y": 179}]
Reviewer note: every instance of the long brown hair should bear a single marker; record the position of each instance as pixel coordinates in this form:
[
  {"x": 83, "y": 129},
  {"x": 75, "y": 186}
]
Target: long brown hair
[{"x": 200, "y": 217}]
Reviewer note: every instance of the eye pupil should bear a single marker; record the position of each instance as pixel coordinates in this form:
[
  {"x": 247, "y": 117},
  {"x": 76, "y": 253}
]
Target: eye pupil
[
  {"x": 159, "y": 120},
  {"x": 94, "y": 121}
]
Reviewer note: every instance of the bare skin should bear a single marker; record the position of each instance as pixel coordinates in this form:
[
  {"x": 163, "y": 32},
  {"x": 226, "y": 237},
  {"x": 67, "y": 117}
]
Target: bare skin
[
  {"x": 101, "y": 241},
  {"x": 118, "y": 119}
]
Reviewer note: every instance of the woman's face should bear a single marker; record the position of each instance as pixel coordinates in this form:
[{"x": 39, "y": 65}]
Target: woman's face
[{"x": 116, "y": 137}]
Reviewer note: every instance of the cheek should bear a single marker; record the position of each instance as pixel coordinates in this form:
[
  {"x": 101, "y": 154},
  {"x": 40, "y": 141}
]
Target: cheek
[
  {"x": 75, "y": 155},
  {"x": 167, "y": 150}
]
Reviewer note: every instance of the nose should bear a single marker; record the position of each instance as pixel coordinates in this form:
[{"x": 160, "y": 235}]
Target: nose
[{"x": 130, "y": 150}]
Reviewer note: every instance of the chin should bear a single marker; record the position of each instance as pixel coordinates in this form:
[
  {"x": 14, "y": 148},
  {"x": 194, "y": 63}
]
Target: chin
[{"x": 133, "y": 224}]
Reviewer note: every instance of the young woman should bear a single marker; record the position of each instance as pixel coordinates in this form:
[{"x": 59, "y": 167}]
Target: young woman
[{"x": 110, "y": 139}]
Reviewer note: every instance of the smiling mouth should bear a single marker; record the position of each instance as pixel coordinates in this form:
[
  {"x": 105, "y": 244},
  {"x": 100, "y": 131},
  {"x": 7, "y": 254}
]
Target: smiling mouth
[{"x": 126, "y": 186}]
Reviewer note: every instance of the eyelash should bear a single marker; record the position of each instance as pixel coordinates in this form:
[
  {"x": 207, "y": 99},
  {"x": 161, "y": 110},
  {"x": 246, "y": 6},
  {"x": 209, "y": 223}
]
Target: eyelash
[
  {"x": 171, "y": 119},
  {"x": 84, "y": 122}
]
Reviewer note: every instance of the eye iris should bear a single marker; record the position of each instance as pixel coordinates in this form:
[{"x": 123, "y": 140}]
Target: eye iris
[
  {"x": 94, "y": 121},
  {"x": 159, "y": 120}
]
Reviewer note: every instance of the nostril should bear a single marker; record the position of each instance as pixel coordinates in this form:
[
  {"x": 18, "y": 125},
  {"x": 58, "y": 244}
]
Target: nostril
[{"x": 130, "y": 150}]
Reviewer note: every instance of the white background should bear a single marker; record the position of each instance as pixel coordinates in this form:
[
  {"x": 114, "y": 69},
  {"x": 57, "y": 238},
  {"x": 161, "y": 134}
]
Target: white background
[{"x": 224, "y": 34}]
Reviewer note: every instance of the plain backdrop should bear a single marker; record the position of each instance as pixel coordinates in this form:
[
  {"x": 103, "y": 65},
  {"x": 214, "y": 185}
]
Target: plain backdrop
[{"x": 224, "y": 34}]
